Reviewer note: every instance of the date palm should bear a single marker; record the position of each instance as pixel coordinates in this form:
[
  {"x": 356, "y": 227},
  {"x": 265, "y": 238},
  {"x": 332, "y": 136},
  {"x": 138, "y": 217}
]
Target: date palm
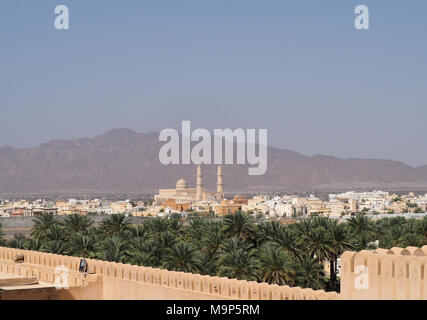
[
  {"x": 34, "y": 244},
  {"x": 182, "y": 257},
  {"x": 287, "y": 239},
  {"x": 269, "y": 231},
  {"x": 310, "y": 274},
  {"x": 56, "y": 247},
  {"x": 115, "y": 224},
  {"x": 112, "y": 249},
  {"x": 317, "y": 244},
  {"x": 212, "y": 242},
  {"x": 83, "y": 245},
  {"x": 276, "y": 266},
  {"x": 135, "y": 232},
  {"x": 363, "y": 241},
  {"x": 421, "y": 230},
  {"x": 303, "y": 227},
  {"x": 166, "y": 240},
  {"x": 19, "y": 242},
  {"x": 175, "y": 226},
  {"x": 42, "y": 224},
  {"x": 233, "y": 244},
  {"x": 156, "y": 226},
  {"x": 1, "y": 235},
  {"x": 411, "y": 240},
  {"x": 239, "y": 225},
  {"x": 75, "y": 223},
  {"x": 238, "y": 264},
  {"x": 340, "y": 241},
  {"x": 55, "y": 233},
  {"x": 360, "y": 223},
  {"x": 141, "y": 259},
  {"x": 195, "y": 231},
  {"x": 144, "y": 252},
  {"x": 378, "y": 230}
]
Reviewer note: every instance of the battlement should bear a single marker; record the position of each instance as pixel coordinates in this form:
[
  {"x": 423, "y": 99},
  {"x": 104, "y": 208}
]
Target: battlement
[
  {"x": 123, "y": 281},
  {"x": 395, "y": 274}
]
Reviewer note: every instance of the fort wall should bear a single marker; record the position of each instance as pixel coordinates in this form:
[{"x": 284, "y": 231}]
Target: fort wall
[
  {"x": 395, "y": 274},
  {"x": 109, "y": 280}
]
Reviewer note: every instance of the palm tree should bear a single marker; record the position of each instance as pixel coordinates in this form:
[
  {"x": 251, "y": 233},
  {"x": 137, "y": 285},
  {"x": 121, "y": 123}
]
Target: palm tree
[
  {"x": 317, "y": 244},
  {"x": 156, "y": 226},
  {"x": 195, "y": 232},
  {"x": 115, "y": 224},
  {"x": 276, "y": 266},
  {"x": 138, "y": 231},
  {"x": 55, "y": 233},
  {"x": 239, "y": 264},
  {"x": 144, "y": 252},
  {"x": 233, "y": 244},
  {"x": 397, "y": 232},
  {"x": 166, "y": 241},
  {"x": 269, "y": 231},
  {"x": 56, "y": 247},
  {"x": 287, "y": 240},
  {"x": 240, "y": 225},
  {"x": 175, "y": 226},
  {"x": 310, "y": 274},
  {"x": 141, "y": 259},
  {"x": 1, "y": 234},
  {"x": 363, "y": 241},
  {"x": 303, "y": 227},
  {"x": 34, "y": 244},
  {"x": 340, "y": 242},
  {"x": 411, "y": 240},
  {"x": 378, "y": 230},
  {"x": 182, "y": 257},
  {"x": 76, "y": 223},
  {"x": 209, "y": 265},
  {"x": 421, "y": 230},
  {"x": 83, "y": 245},
  {"x": 360, "y": 223},
  {"x": 42, "y": 224},
  {"x": 19, "y": 242},
  {"x": 212, "y": 242},
  {"x": 112, "y": 249}
]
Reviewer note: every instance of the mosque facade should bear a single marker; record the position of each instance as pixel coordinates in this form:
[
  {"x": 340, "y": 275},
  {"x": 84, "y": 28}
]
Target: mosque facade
[{"x": 183, "y": 194}]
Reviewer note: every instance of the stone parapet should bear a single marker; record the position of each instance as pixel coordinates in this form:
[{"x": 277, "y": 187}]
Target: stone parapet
[
  {"x": 395, "y": 274},
  {"x": 143, "y": 279}
]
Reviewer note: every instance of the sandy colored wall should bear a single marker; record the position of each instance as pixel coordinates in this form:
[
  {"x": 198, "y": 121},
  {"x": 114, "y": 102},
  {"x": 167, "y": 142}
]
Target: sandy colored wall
[
  {"x": 395, "y": 274},
  {"x": 122, "y": 281},
  {"x": 381, "y": 274}
]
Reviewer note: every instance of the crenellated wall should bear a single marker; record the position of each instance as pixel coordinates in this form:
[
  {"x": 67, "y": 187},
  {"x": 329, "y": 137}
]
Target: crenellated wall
[
  {"x": 381, "y": 274},
  {"x": 395, "y": 274},
  {"x": 123, "y": 281}
]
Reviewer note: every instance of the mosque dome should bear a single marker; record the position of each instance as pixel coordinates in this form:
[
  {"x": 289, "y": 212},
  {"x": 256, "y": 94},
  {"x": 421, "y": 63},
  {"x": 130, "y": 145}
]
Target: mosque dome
[{"x": 181, "y": 184}]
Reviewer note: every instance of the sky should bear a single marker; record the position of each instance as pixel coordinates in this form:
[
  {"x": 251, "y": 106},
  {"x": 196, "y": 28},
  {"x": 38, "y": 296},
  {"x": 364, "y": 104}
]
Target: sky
[{"x": 298, "y": 68}]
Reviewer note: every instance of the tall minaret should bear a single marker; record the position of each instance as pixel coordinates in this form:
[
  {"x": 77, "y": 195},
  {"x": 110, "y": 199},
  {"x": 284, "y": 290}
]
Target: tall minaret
[
  {"x": 199, "y": 186},
  {"x": 219, "y": 186}
]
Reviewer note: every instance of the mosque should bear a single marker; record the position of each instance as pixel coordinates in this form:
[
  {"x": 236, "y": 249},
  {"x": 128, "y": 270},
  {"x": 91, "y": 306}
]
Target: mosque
[{"x": 183, "y": 194}]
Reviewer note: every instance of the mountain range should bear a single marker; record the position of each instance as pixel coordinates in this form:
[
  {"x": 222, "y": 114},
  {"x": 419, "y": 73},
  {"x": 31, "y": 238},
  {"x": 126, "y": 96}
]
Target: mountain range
[{"x": 123, "y": 160}]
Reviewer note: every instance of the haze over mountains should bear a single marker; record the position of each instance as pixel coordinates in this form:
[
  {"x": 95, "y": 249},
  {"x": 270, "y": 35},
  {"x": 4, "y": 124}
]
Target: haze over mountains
[{"x": 122, "y": 160}]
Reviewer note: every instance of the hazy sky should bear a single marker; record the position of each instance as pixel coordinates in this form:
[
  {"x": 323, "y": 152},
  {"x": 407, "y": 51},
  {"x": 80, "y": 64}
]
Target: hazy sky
[{"x": 298, "y": 68}]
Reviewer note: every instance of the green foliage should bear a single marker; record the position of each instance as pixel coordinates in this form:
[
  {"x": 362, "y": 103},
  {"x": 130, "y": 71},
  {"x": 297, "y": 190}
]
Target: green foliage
[{"x": 236, "y": 246}]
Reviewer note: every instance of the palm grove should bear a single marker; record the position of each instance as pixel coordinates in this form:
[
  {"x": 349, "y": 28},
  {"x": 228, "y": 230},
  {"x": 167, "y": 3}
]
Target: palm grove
[{"x": 236, "y": 246}]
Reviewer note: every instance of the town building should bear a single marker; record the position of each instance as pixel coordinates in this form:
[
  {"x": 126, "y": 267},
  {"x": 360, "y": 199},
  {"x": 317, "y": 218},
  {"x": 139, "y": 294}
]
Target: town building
[{"x": 183, "y": 194}]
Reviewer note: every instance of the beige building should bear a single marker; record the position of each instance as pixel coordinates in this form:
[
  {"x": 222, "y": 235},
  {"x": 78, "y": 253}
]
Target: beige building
[
  {"x": 183, "y": 194},
  {"x": 337, "y": 208}
]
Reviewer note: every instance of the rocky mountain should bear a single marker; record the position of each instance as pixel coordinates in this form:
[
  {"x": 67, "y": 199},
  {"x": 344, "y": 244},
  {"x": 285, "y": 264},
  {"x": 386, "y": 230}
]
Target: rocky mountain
[{"x": 122, "y": 160}]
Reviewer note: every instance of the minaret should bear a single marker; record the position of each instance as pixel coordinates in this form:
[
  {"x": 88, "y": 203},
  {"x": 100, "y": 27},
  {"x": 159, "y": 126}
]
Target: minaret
[
  {"x": 199, "y": 186},
  {"x": 219, "y": 186}
]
